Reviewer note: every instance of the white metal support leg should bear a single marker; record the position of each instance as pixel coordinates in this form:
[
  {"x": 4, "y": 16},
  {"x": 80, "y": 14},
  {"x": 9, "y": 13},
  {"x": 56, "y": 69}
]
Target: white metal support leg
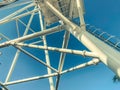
[
  {"x": 80, "y": 11},
  {"x": 62, "y": 57},
  {"x": 46, "y": 53},
  {"x": 62, "y": 50}
]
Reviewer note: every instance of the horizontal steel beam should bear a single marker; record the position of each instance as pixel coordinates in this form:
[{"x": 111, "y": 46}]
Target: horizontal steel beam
[
  {"x": 30, "y": 79},
  {"x": 95, "y": 61},
  {"x": 83, "y": 53},
  {"x": 92, "y": 62},
  {"x": 34, "y": 35}
]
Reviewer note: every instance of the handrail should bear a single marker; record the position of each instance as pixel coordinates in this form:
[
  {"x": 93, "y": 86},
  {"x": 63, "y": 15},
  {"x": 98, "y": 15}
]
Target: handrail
[{"x": 104, "y": 36}]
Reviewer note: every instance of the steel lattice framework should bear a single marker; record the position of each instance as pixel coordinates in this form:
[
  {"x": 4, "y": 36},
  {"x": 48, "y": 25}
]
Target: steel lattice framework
[{"x": 51, "y": 11}]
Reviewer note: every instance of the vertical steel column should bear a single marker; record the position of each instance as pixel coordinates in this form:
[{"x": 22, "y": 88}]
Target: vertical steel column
[
  {"x": 18, "y": 52},
  {"x": 71, "y": 8},
  {"x": 62, "y": 57},
  {"x": 46, "y": 53},
  {"x": 17, "y": 28},
  {"x": 80, "y": 12}
]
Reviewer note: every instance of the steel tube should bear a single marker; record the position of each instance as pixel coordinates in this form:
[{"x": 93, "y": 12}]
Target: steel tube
[
  {"x": 34, "y": 35},
  {"x": 92, "y": 62},
  {"x": 62, "y": 56},
  {"x": 65, "y": 44},
  {"x": 29, "y": 79},
  {"x": 83, "y": 53},
  {"x": 71, "y": 9},
  {"x": 40, "y": 41},
  {"x": 17, "y": 29},
  {"x": 34, "y": 57},
  {"x": 51, "y": 83}
]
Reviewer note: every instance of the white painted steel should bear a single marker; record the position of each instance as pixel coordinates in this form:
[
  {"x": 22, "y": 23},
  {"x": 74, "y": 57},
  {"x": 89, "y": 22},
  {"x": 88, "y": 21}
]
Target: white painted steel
[
  {"x": 107, "y": 54},
  {"x": 62, "y": 50},
  {"x": 35, "y": 58},
  {"x": 92, "y": 62},
  {"x": 17, "y": 28},
  {"x": 30, "y": 79},
  {"x": 62, "y": 57},
  {"x": 80, "y": 11},
  {"x": 34, "y": 35},
  {"x": 43, "y": 26},
  {"x": 99, "y": 50}
]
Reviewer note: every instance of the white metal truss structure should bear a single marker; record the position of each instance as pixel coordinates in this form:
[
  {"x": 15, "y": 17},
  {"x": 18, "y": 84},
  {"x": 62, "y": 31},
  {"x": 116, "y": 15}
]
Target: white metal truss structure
[{"x": 49, "y": 12}]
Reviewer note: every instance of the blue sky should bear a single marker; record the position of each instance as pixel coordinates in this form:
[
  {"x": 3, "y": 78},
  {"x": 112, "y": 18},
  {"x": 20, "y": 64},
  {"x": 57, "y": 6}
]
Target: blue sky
[{"x": 104, "y": 14}]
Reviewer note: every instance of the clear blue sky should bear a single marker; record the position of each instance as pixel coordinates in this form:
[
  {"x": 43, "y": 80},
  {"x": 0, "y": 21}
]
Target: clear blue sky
[{"x": 104, "y": 14}]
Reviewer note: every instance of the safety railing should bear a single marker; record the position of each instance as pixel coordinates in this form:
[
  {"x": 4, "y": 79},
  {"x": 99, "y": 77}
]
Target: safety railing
[{"x": 104, "y": 36}]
